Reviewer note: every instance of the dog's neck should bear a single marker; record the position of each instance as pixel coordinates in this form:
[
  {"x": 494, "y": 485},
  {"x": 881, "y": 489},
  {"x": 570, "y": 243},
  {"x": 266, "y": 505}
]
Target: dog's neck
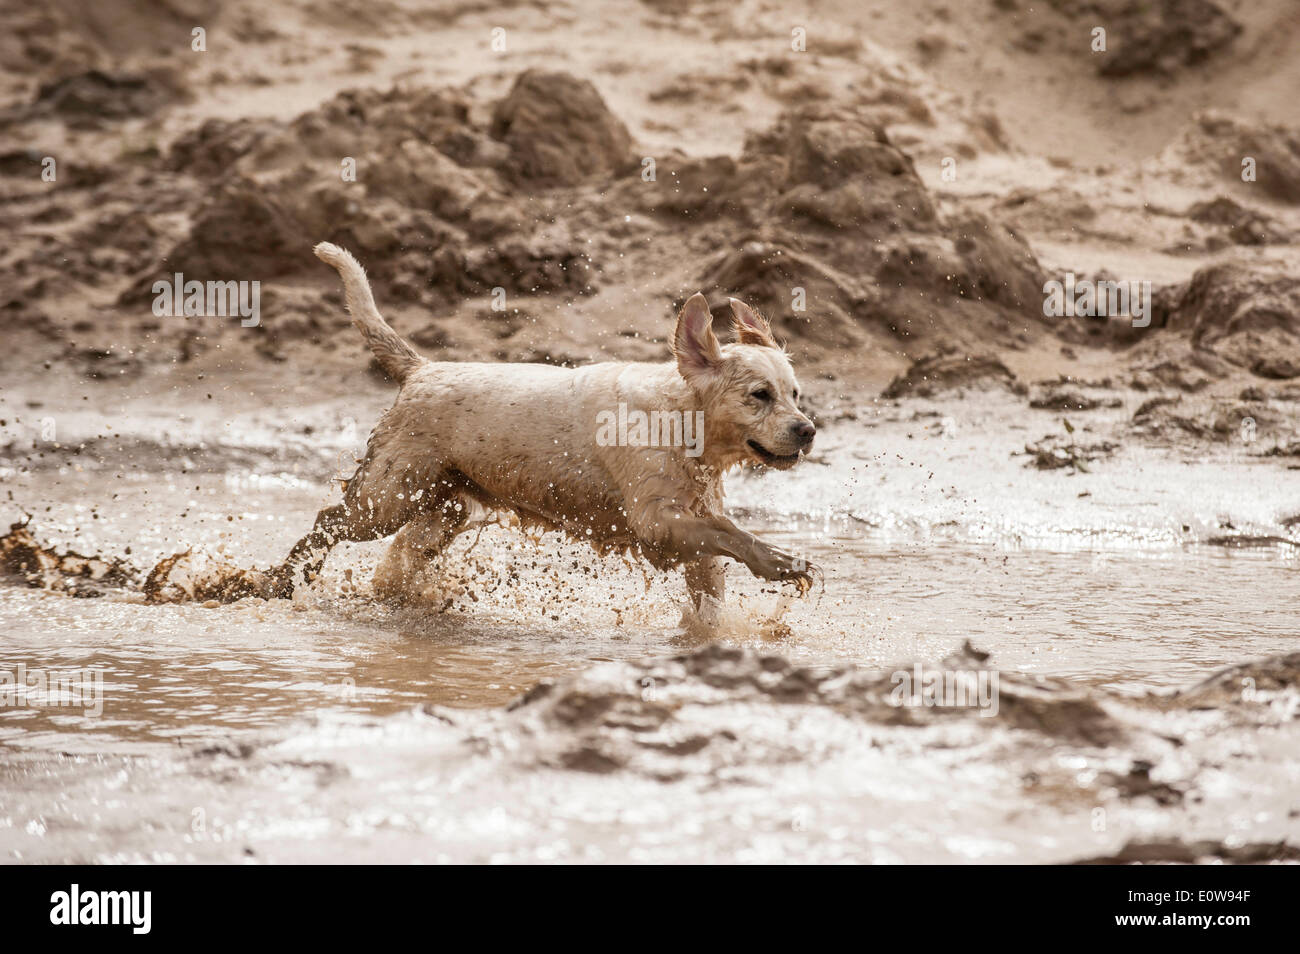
[{"x": 707, "y": 469}]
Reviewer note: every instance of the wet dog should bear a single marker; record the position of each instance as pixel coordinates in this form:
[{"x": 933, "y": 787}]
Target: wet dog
[{"x": 553, "y": 446}]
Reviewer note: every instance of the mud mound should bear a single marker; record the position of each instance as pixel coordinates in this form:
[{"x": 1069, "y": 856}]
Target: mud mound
[
  {"x": 422, "y": 177},
  {"x": 424, "y": 204},
  {"x": 1060, "y": 398},
  {"x": 1247, "y": 315},
  {"x": 358, "y": 122},
  {"x": 664, "y": 717},
  {"x": 822, "y": 221},
  {"x": 39, "y": 42},
  {"x": 842, "y": 170},
  {"x": 1062, "y": 450},
  {"x": 140, "y": 28},
  {"x": 940, "y": 373},
  {"x": 825, "y": 203},
  {"x": 210, "y": 149},
  {"x": 60, "y": 38},
  {"x": 1155, "y": 37},
  {"x": 559, "y": 130},
  {"x": 94, "y": 98},
  {"x": 1160, "y": 362},
  {"x": 838, "y": 214},
  {"x": 1276, "y": 367},
  {"x": 1223, "y": 142},
  {"x": 242, "y": 230},
  {"x": 854, "y": 200},
  {"x": 1242, "y": 225},
  {"x": 708, "y": 189},
  {"x": 649, "y": 716},
  {"x": 1254, "y": 425},
  {"x": 1197, "y": 852},
  {"x": 1249, "y": 684},
  {"x": 765, "y": 275}
]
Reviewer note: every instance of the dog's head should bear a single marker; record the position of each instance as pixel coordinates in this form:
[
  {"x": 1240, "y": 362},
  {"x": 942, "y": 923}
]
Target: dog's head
[{"x": 747, "y": 390}]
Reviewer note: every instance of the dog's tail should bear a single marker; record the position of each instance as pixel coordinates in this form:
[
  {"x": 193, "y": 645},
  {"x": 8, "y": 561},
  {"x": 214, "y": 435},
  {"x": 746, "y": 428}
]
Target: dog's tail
[{"x": 397, "y": 357}]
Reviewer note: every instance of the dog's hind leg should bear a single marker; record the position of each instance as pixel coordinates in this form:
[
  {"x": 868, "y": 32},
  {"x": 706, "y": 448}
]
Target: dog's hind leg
[
  {"x": 333, "y": 525},
  {"x": 417, "y": 544},
  {"x": 374, "y": 505}
]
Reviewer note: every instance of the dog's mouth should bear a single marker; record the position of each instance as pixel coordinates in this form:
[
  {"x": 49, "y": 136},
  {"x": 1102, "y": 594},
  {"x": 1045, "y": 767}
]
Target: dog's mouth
[{"x": 765, "y": 456}]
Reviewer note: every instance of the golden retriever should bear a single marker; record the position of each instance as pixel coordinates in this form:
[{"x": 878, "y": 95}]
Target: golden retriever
[{"x": 608, "y": 453}]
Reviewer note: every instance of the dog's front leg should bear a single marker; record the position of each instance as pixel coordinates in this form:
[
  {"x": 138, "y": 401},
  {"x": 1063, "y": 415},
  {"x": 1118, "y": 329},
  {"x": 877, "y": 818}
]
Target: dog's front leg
[
  {"x": 763, "y": 559},
  {"x": 688, "y": 537}
]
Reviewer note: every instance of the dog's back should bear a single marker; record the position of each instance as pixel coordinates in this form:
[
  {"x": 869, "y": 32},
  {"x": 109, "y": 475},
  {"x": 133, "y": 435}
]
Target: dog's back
[{"x": 527, "y": 436}]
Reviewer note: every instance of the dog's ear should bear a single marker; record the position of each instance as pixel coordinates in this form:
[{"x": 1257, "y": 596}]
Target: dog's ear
[
  {"x": 696, "y": 347},
  {"x": 751, "y": 328}
]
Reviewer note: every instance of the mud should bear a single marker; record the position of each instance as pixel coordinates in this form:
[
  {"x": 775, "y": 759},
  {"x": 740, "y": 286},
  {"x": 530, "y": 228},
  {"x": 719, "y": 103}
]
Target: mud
[
  {"x": 722, "y": 737},
  {"x": 480, "y": 192},
  {"x": 938, "y": 374},
  {"x": 1159, "y": 37},
  {"x": 23, "y": 557},
  {"x": 1107, "y": 511}
]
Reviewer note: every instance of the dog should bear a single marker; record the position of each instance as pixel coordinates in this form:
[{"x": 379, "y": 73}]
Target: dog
[{"x": 521, "y": 439}]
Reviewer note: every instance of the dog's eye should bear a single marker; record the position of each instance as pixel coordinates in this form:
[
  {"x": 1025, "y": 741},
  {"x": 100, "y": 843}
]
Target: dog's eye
[
  {"x": 796, "y": 394},
  {"x": 762, "y": 394}
]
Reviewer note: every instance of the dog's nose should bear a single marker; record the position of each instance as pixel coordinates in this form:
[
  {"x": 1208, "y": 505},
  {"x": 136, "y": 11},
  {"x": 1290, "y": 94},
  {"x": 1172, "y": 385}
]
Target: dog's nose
[{"x": 804, "y": 431}]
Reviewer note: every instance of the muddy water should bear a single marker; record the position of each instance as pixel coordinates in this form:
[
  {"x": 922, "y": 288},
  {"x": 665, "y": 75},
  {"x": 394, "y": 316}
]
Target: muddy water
[{"x": 264, "y": 729}]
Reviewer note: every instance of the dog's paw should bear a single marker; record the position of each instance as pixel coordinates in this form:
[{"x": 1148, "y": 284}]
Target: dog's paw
[
  {"x": 801, "y": 575},
  {"x": 783, "y": 567}
]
